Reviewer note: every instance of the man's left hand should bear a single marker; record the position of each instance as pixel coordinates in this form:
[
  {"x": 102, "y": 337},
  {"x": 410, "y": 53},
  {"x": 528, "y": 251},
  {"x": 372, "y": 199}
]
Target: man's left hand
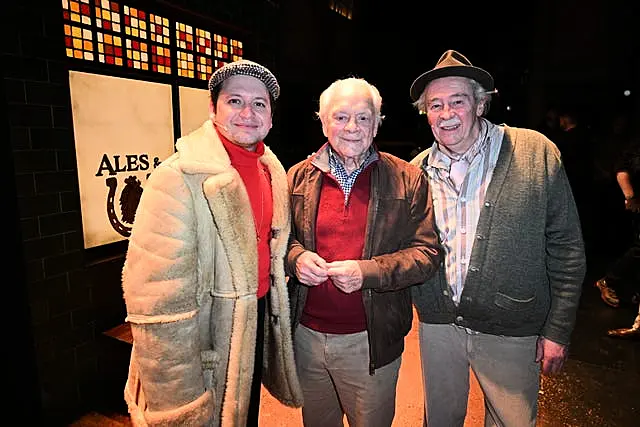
[
  {"x": 345, "y": 275},
  {"x": 551, "y": 354}
]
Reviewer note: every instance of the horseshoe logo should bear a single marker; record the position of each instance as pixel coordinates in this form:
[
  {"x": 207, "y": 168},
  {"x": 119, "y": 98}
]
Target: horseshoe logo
[{"x": 129, "y": 200}]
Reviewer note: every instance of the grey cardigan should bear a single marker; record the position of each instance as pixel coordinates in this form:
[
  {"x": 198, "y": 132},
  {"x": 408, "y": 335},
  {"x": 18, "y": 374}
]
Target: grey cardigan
[{"x": 528, "y": 262}]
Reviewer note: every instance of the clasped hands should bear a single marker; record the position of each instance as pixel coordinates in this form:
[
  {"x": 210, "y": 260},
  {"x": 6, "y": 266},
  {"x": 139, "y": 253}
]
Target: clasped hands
[{"x": 312, "y": 270}]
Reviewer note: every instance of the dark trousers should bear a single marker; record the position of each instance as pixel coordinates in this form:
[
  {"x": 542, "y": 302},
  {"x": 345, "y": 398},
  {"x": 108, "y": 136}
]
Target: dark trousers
[
  {"x": 624, "y": 273},
  {"x": 256, "y": 383}
]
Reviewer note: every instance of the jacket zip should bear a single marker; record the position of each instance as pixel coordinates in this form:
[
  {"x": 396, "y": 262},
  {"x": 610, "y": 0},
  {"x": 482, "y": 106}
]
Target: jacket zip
[{"x": 367, "y": 298}]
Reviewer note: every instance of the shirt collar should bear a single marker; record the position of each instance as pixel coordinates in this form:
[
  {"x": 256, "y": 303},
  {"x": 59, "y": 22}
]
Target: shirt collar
[
  {"x": 439, "y": 160},
  {"x": 320, "y": 158},
  {"x": 336, "y": 163}
]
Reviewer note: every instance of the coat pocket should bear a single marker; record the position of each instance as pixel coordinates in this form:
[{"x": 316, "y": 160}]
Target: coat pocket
[{"x": 514, "y": 304}]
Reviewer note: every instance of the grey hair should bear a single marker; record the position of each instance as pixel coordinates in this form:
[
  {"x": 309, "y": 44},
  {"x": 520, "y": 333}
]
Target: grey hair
[
  {"x": 327, "y": 95},
  {"x": 480, "y": 95}
]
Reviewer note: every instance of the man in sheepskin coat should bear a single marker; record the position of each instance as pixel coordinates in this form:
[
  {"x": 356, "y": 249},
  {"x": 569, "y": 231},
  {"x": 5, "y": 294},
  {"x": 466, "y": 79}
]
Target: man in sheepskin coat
[{"x": 204, "y": 280}]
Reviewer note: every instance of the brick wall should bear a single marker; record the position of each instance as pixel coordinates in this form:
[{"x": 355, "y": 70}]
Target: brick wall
[
  {"x": 67, "y": 296},
  {"x": 68, "y": 300}
]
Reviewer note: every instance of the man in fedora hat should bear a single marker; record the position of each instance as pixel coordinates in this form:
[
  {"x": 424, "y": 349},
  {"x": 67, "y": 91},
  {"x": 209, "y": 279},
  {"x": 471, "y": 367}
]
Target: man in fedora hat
[
  {"x": 204, "y": 282},
  {"x": 505, "y": 302}
]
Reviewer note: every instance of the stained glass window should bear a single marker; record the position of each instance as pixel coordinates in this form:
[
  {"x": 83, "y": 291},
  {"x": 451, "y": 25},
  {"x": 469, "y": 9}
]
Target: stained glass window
[
  {"x": 204, "y": 63},
  {"x": 203, "y": 42},
  {"x": 185, "y": 64},
  {"x": 218, "y": 64},
  {"x": 184, "y": 43},
  {"x": 137, "y": 49},
  {"x": 110, "y": 49},
  {"x": 159, "y": 29},
  {"x": 236, "y": 50},
  {"x": 77, "y": 11},
  {"x": 79, "y": 42},
  {"x": 135, "y": 23},
  {"x": 220, "y": 48},
  {"x": 160, "y": 59},
  {"x": 184, "y": 36},
  {"x": 137, "y": 55},
  {"x": 108, "y": 15},
  {"x": 204, "y": 67},
  {"x": 115, "y": 33}
]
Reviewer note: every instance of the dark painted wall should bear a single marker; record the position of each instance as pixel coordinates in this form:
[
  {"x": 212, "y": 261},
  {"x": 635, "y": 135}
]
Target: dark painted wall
[
  {"x": 585, "y": 54},
  {"x": 578, "y": 52}
]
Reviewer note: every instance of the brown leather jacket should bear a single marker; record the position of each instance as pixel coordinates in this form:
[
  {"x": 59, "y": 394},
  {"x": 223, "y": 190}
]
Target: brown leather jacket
[{"x": 401, "y": 247}]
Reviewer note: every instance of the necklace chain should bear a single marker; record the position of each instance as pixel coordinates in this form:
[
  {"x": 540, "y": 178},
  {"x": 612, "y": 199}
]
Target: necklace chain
[{"x": 255, "y": 220}]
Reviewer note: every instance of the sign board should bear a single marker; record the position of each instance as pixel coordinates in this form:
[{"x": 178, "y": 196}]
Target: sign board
[
  {"x": 123, "y": 130},
  {"x": 194, "y": 108}
]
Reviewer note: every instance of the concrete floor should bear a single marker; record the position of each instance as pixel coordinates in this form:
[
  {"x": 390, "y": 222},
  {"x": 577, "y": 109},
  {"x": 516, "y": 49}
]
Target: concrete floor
[
  {"x": 600, "y": 385},
  {"x": 408, "y": 401}
]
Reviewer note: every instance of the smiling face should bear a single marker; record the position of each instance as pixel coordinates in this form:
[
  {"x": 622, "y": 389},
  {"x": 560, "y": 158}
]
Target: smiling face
[
  {"x": 350, "y": 123},
  {"x": 453, "y": 113},
  {"x": 243, "y": 111}
]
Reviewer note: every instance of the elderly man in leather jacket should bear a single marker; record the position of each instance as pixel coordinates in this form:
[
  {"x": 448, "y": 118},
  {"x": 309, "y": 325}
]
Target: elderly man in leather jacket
[{"x": 362, "y": 234}]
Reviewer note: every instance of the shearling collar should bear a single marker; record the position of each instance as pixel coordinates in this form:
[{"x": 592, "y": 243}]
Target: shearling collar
[{"x": 201, "y": 151}]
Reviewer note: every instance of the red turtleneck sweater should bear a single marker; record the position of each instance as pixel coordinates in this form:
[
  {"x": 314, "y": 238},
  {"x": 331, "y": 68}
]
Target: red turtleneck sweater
[{"x": 257, "y": 181}]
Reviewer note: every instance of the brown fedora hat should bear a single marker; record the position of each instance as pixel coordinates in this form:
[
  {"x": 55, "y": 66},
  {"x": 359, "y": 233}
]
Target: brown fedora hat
[{"x": 451, "y": 63}]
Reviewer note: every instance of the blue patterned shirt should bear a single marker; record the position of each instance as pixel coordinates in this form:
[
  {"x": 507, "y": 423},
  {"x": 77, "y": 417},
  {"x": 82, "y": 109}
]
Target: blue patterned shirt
[{"x": 344, "y": 179}]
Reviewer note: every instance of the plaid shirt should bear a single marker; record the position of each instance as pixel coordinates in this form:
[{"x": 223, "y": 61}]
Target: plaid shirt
[
  {"x": 344, "y": 179},
  {"x": 457, "y": 211}
]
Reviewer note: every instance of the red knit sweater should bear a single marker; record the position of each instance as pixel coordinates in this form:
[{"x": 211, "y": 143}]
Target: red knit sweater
[{"x": 340, "y": 235}]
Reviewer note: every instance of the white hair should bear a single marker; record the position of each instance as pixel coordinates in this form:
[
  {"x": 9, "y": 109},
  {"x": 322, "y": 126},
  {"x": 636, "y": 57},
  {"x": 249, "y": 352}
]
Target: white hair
[{"x": 327, "y": 96}]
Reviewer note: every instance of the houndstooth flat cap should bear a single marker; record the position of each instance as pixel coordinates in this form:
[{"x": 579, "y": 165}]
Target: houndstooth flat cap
[{"x": 246, "y": 68}]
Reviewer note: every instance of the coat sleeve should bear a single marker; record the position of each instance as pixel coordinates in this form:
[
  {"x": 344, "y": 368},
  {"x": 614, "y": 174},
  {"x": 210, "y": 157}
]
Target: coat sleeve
[
  {"x": 418, "y": 252},
  {"x": 566, "y": 263},
  {"x": 295, "y": 246},
  {"x": 159, "y": 283}
]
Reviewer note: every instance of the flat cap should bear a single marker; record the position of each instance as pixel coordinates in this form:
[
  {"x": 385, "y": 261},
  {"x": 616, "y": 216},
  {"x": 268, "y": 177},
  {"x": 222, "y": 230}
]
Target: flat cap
[{"x": 246, "y": 68}]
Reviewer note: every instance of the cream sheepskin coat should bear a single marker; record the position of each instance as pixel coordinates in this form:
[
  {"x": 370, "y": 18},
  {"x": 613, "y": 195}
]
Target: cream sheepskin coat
[{"x": 190, "y": 281}]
